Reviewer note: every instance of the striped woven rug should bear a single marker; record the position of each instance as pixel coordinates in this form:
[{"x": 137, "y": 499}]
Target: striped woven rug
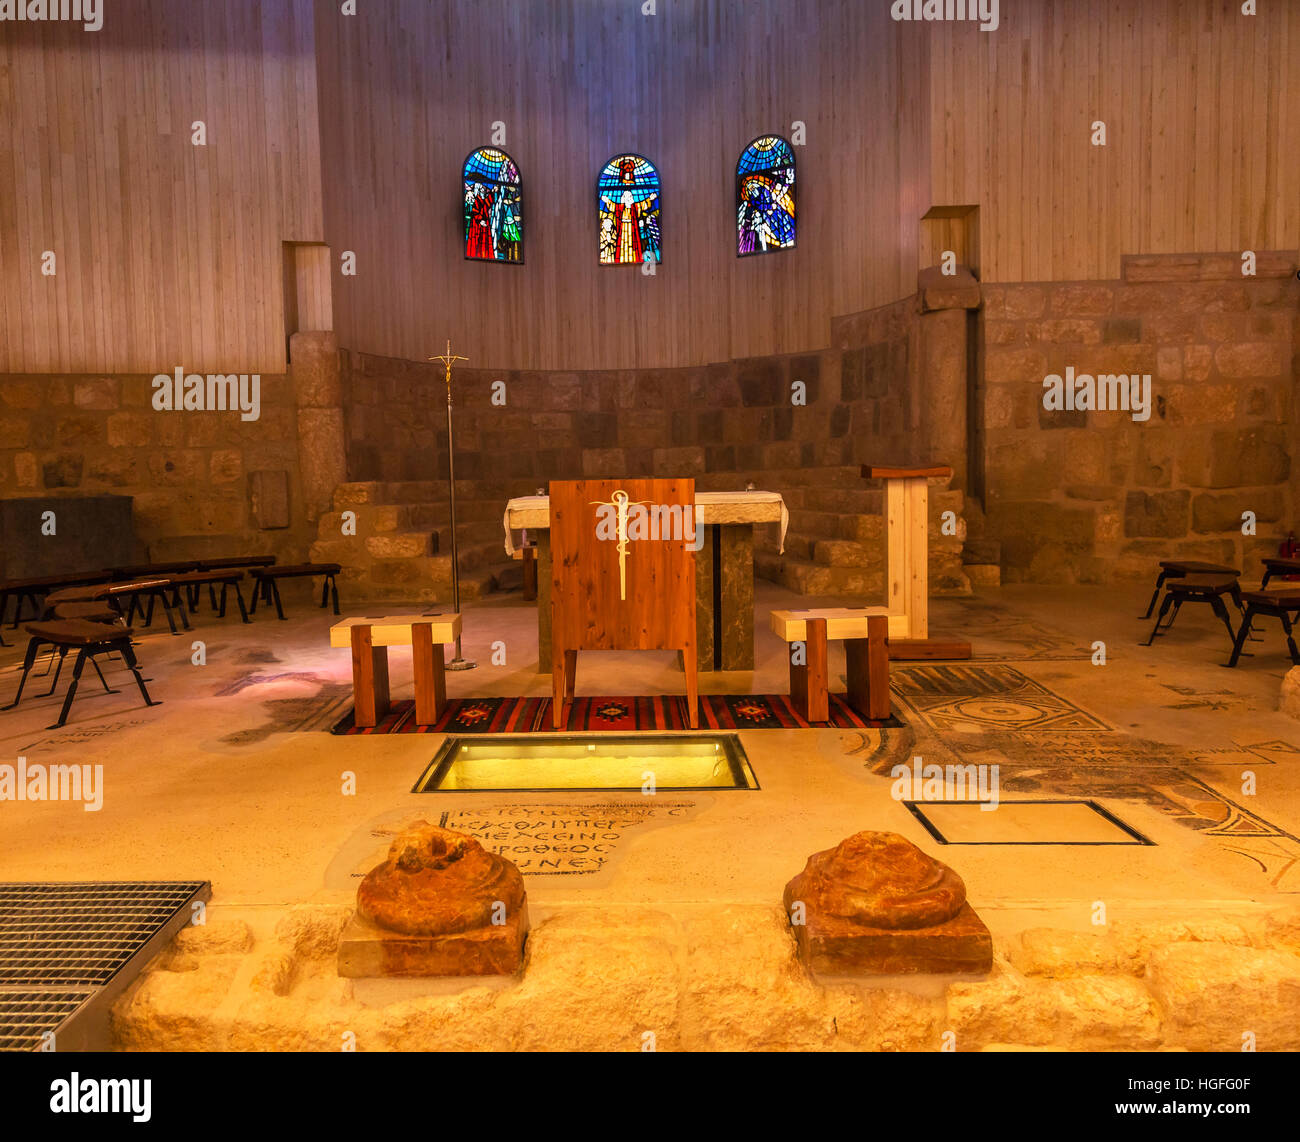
[{"x": 666, "y": 712}]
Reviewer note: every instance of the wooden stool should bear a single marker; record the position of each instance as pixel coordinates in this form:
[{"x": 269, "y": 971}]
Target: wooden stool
[
  {"x": 1198, "y": 589},
  {"x": 89, "y": 639},
  {"x": 266, "y": 583},
  {"x": 370, "y": 638},
  {"x": 866, "y": 654},
  {"x": 1279, "y": 565},
  {"x": 1181, "y": 568},
  {"x": 1281, "y": 603}
]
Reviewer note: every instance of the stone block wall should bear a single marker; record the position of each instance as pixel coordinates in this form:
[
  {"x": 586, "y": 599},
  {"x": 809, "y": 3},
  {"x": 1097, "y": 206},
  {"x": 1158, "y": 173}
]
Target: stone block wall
[
  {"x": 189, "y": 473},
  {"x": 723, "y": 424},
  {"x": 1088, "y": 496}
]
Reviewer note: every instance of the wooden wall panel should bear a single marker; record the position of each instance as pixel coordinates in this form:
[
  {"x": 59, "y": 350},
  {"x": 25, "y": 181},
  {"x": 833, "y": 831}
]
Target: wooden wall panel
[
  {"x": 168, "y": 253},
  {"x": 406, "y": 97},
  {"x": 1202, "y": 107}
]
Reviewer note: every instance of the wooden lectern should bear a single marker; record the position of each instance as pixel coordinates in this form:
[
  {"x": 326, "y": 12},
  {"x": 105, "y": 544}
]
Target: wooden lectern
[
  {"x": 907, "y": 523},
  {"x": 622, "y": 576}
]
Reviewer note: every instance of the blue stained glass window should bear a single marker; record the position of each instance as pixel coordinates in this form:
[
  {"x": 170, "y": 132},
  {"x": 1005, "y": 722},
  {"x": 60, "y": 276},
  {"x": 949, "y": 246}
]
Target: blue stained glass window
[
  {"x": 765, "y": 197},
  {"x": 494, "y": 224},
  {"x": 627, "y": 205}
]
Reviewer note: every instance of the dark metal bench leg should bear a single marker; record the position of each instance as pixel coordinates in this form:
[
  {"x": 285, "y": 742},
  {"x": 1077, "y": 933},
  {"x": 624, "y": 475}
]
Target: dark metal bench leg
[
  {"x": 239, "y": 598},
  {"x": 72, "y": 688},
  {"x": 334, "y": 592},
  {"x": 128, "y": 656},
  {"x": 63, "y": 653},
  {"x": 1268, "y": 574},
  {"x": 1155, "y": 630},
  {"x": 103, "y": 682},
  {"x": 275, "y": 594},
  {"x": 325, "y": 592},
  {"x": 1216, "y": 604},
  {"x": 1243, "y": 633},
  {"x": 1290, "y": 638},
  {"x": 1160, "y": 582},
  {"x": 32, "y": 647}
]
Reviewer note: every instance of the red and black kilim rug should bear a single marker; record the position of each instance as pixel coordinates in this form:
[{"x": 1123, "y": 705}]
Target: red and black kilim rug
[{"x": 667, "y": 712}]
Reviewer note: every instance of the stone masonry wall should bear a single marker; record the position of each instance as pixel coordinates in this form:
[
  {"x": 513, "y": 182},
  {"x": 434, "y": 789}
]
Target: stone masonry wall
[
  {"x": 723, "y": 424},
  {"x": 1089, "y": 496},
  {"x": 189, "y": 473}
]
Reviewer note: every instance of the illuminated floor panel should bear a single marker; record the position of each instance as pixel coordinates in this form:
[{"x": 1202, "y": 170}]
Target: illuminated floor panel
[{"x": 632, "y": 762}]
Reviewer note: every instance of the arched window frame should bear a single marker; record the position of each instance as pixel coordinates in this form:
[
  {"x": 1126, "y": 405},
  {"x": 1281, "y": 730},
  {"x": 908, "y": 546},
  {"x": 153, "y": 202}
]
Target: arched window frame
[
  {"x": 518, "y": 183},
  {"x": 659, "y": 209},
  {"x": 741, "y": 175}
]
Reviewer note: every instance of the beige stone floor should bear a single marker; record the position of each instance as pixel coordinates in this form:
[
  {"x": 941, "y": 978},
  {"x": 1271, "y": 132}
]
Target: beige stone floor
[
  {"x": 233, "y": 778},
  {"x": 217, "y": 783}
]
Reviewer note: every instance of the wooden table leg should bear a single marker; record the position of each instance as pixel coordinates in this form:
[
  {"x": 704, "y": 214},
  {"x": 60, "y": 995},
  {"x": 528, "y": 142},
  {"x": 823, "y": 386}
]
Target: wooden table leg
[
  {"x": 430, "y": 677},
  {"x": 809, "y": 680},
  {"x": 369, "y": 678},
  {"x": 868, "y": 670}
]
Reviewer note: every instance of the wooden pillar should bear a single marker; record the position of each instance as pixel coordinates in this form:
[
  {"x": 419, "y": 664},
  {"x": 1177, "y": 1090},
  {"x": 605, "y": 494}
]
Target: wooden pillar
[
  {"x": 430, "y": 678},
  {"x": 369, "y": 678},
  {"x": 809, "y": 681},
  {"x": 867, "y": 660}
]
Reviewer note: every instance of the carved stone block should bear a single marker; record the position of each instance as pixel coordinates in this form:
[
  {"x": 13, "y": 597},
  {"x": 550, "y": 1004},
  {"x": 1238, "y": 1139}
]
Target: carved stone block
[{"x": 878, "y": 905}]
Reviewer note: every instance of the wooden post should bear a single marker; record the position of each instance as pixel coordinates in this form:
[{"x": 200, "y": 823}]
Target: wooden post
[
  {"x": 529, "y": 557},
  {"x": 369, "y": 678},
  {"x": 809, "y": 682},
  {"x": 907, "y": 521},
  {"x": 867, "y": 660},
  {"x": 430, "y": 676}
]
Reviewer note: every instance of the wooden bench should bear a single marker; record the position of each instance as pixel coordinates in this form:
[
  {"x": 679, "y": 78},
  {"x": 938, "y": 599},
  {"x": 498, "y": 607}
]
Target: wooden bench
[
  {"x": 89, "y": 639},
  {"x": 865, "y": 633},
  {"x": 369, "y": 639},
  {"x": 266, "y": 583},
  {"x": 193, "y": 582},
  {"x": 1282, "y": 603},
  {"x": 1285, "y": 566},
  {"x": 1180, "y": 569},
  {"x": 31, "y": 591},
  {"x": 1198, "y": 589}
]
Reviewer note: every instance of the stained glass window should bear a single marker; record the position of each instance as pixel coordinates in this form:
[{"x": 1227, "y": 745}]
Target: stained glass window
[
  {"x": 765, "y": 196},
  {"x": 627, "y": 203},
  {"x": 494, "y": 225}
]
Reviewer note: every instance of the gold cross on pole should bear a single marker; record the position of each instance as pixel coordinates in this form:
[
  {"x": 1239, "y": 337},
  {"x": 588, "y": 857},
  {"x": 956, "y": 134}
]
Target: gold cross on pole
[
  {"x": 447, "y": 359},
  {"x": 620, "y": 500}
]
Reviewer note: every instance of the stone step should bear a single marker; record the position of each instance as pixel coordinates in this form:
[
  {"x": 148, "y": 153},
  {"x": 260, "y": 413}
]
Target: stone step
[
  {"x": 846, "y": 553},
  {"x": 866, "y": 586},
  {"x": 843, "y": 501},
  {"x": 982, "y": 551}
]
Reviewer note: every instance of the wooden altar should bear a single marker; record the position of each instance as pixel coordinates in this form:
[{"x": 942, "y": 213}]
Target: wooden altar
[
  {"x": 613, "y": 588},
  {"x": 724, "y": 571}
]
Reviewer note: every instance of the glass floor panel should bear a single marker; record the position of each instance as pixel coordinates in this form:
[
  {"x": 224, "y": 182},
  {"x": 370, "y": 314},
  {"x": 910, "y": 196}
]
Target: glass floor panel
[{"x": 588, "y": 762}]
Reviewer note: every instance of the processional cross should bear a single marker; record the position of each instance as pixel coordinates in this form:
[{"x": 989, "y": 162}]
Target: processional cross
[
  {"x": 620, "y": 501},
  {"x": 447, "y": 359}
]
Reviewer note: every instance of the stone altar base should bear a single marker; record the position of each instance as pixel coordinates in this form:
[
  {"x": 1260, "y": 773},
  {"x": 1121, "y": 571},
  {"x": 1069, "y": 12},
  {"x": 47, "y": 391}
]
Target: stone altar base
[
  {"x": 368, "y": 951},
  {"x": 877, "y": 905},
  {"x": 833, "y": 945},
  {"x": 439, "y": 905}
]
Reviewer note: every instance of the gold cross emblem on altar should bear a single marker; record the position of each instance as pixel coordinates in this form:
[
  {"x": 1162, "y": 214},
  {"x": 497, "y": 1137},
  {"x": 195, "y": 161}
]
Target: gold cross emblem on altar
[{"x": 620, "y": 501}]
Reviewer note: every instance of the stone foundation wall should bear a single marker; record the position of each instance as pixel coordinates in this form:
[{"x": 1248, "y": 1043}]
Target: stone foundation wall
[
  {"x": 190, "y": 474},
  {"x": 1086, "y": 496},
  {"x": 722, "y": 424},
  {"x": 725, "y": 978}
]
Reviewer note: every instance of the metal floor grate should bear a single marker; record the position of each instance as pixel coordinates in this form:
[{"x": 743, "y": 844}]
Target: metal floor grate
[
  {"x": 63, "y": 935},
  {"x": 73, "y": 946},
  {"x": 27, "y": 1016}
]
